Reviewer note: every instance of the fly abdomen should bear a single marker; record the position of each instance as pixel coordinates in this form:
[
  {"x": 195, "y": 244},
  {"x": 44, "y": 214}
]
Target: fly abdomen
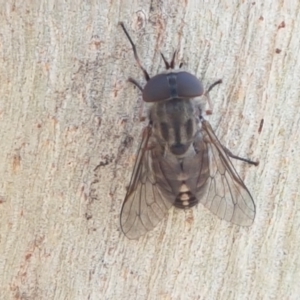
[{"x": 185, "y": 198}]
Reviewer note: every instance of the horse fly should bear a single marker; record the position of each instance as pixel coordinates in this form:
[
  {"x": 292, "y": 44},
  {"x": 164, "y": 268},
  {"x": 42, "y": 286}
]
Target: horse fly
[{"x": 180, "y": 160}]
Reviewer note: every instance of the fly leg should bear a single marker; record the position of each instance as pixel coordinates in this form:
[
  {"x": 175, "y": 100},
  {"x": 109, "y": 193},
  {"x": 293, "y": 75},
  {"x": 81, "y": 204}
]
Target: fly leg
[
  {"x": 230, "y": 154},
  {"x": 134, "y": 82},
  {"x": 206, "y": 94},
  {"x": 146, "y": 75},
  {"x": 142, "y": 116},
  {"x": 137, "y": 59}
]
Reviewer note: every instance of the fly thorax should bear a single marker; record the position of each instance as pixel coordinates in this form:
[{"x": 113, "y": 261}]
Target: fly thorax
[{"x": 174, "y": 124}]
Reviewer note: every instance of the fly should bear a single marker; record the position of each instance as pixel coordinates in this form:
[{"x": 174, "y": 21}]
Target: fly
[{"x": 180, "y": 161}]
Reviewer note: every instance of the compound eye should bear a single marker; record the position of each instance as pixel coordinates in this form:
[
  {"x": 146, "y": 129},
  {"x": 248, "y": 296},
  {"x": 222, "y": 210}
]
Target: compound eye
[
  {"x": 157, "y": 89},
  {"x": 188, "y": 85}
]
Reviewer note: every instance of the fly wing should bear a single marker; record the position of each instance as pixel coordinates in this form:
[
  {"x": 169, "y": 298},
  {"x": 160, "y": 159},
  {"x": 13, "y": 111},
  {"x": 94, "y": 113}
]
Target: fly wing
[
  {"x": 147, "y": 201},
  {"x": 227, "y": 196}
]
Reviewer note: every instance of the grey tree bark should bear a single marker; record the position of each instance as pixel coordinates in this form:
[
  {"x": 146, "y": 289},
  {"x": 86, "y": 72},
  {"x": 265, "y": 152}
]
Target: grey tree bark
[{"x": 70, "y": 132}]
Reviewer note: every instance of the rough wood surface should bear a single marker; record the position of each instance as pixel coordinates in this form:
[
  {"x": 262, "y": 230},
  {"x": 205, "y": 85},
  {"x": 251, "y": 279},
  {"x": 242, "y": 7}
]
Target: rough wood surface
[{"x": 69, "y": 134}]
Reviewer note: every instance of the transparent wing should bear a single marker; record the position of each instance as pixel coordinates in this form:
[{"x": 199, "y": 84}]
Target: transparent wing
[
  {"x": 227, "y": 196},
  {"x": 146, "y": 202}
]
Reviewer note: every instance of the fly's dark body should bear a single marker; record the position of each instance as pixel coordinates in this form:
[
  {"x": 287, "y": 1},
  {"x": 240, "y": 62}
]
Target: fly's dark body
[
  {"x": 180, "y": 161},
  {"x": 178, "y": 142}
]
